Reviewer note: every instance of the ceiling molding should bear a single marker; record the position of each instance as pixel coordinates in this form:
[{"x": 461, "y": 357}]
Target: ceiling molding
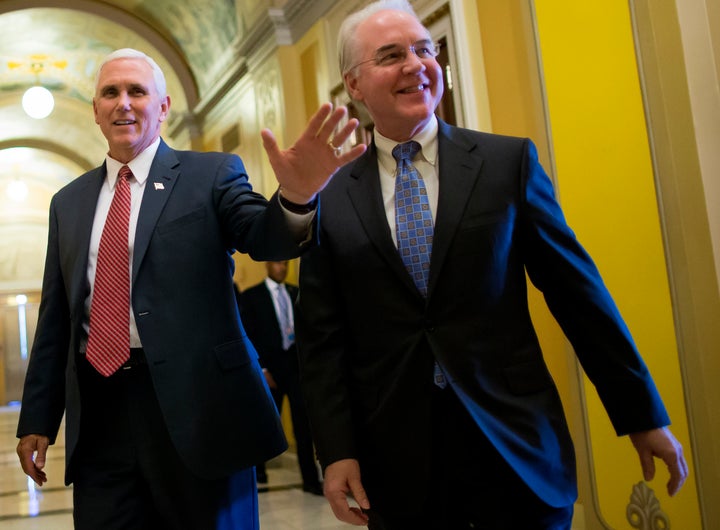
[
  {"x": 154, "y": 35},
  {"x": 298, "y": 16},
  {"x": 51, "y": 146}
]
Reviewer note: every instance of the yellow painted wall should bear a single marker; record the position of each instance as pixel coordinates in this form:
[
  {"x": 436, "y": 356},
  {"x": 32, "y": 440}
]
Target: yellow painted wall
[
  {"x": 606, "y": 186},
  {"x": 515, "y": 103}
]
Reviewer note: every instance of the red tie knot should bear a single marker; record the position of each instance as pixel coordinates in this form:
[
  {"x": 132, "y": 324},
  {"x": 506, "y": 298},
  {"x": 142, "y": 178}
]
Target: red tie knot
[{"x": 125, "y": 173}]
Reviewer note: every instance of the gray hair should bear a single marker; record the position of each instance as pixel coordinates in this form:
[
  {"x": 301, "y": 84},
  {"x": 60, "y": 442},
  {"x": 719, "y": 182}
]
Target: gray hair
[
  {"x": 346, "y": 45},
  {"x": 129, "y": 53}
]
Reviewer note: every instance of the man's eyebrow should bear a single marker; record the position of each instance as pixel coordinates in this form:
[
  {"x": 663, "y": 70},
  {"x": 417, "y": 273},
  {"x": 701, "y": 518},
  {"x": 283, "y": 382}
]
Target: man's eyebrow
[
  {"x": 130, "y": 86},
  {"x": 392, "y": 45},
  {"x": 387, "y": 47}
]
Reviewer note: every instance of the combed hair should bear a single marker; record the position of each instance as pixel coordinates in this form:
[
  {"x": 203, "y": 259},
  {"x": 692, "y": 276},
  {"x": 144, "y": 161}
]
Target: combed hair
[
  {"x": 129, "y": 53},
  {"x": 346, "y": 35}
]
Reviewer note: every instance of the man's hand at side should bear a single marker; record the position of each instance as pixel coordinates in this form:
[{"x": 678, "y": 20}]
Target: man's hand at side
[
  {"x": 662, "y": 444},
  {"x": 342, "y": 478},
  {"x": 29, "y": 446}
]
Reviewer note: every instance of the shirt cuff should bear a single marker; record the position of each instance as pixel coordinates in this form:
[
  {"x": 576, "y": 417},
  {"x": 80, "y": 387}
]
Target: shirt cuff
[
  {"x": 300, "y": 223},
  {"x": 300, "y": 209}
]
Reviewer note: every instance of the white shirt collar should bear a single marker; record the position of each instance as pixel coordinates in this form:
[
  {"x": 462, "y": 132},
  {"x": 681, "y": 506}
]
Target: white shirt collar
[
  {"x": 427, "y": 138},
  {"x": 140, "y": 165},
  {"x": 272, "y": 284}
]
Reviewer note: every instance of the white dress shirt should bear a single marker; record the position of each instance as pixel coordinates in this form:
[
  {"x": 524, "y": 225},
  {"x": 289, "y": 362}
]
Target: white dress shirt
[
  {"x": 140, "y": 167},
  {"x": 426, "y": 163}
]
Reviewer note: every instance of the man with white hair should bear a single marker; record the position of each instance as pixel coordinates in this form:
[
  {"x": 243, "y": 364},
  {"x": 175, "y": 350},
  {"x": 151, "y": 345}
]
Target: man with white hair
[
  {"x": 139, "y": 340},
  {"x": 428, "y": 396}
]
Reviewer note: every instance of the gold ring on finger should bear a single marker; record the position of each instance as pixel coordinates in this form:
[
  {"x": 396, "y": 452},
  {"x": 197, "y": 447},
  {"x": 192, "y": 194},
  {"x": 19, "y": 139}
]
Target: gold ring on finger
[{"x": 336, "y": 150}]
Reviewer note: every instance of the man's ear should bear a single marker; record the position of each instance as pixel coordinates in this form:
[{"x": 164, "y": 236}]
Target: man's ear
[
  {"x": 164, "y": 108},
  {"x": 351, "y": 84}
]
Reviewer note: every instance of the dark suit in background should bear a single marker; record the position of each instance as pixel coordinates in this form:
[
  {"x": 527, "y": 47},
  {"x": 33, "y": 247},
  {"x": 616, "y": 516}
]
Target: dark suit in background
[
  {"x": 262, "y": 323},
  {"x": 491, "y": 449},
  {"x": 170, "y": 439}
]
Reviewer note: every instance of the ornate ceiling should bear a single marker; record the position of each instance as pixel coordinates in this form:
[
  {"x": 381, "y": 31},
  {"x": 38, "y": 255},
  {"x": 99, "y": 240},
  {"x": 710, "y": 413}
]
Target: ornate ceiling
[{"x": 198, "y": 43}]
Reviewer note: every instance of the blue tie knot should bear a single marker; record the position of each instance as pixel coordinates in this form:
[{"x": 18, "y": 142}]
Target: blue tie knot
[{"x": 406, "y": 151}]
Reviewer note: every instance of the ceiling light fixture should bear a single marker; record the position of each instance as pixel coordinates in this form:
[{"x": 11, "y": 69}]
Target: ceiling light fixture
[
  {"x": 38, "y": 102},
  {"x": 17, "y": 190}
]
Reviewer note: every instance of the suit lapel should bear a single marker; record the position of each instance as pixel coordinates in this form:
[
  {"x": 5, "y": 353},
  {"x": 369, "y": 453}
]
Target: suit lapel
[
  {"x": 81, "y": 230},
  {"x": 158, "y": 188},
  {"x": 366, "y": 196},
  {"x": 458, "y": 172}
]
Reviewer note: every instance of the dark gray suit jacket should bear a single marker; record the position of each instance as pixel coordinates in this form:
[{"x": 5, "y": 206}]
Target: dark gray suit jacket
[
  {"x": 367, "y": 338},
  {"x": 204, "y": 369}
]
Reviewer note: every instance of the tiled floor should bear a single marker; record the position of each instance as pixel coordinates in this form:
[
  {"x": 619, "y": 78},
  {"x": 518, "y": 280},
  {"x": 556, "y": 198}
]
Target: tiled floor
[{"x": 283, "y": 507}]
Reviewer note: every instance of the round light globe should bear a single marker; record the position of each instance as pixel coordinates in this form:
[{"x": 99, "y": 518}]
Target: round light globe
[
  {"x": 17, "y": 190},
  {"x": 38, "y": 102}
]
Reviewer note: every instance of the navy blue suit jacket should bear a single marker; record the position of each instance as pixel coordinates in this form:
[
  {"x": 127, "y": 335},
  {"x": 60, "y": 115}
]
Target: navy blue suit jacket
[
  {"x": 204, "y": 369},
  {"x": 367, "y": 338}
]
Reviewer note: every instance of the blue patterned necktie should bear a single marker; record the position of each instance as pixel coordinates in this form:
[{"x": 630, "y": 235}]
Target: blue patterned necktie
[
  {"x": 413, "y": 218},
  {"x": 414, "y": 225}
]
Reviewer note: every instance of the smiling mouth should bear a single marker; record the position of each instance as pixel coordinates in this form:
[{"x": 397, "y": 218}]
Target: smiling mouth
[
  {"x": 413, "y": 89},
  {"x": 123, "y": 122}
]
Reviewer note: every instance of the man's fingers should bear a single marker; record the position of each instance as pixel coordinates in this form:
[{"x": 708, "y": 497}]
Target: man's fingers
[
  {"x": 358, "y": 493},
  {"x": 27, "y": 464},
  {"x": 342, "y": 510},
  {"x": 343, "y": 134},
  {"x": 319, "y": 122},
  {"x": 42, "y": 447},
  {"x": 678, "y": 473},
  {"x": 351, "y": 155},
  {"x": 349, "y": 515},
  {"x": 29, "y": 446},
  {"x": 328, "y": 127},
  {"x": 648, "y": 465},
  {"x": 38, "y": 477},
  {"x": 269, "y": 142}
]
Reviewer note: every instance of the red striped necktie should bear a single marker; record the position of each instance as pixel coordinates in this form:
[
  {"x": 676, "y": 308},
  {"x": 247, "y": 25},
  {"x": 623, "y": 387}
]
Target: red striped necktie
[{"x": 108, "y": 345}]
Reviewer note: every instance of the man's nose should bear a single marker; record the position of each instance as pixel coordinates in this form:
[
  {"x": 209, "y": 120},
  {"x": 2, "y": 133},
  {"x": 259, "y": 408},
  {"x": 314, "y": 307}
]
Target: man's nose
[
  {"x": 124, "y": 100},
  {"x": 412, "y": 62}
]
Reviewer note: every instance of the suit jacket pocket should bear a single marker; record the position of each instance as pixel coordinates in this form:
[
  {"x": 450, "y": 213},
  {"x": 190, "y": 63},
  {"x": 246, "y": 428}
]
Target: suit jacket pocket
[
  {"x": 479, "y": 219},
  {"x": 232, "y": 355},
  {"x": 528, "y": 377},
  {"x": 182, "y": 221}
]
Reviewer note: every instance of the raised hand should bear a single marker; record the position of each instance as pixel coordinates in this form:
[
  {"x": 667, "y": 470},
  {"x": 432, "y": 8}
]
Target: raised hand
[{"x": 305, "y": 168}]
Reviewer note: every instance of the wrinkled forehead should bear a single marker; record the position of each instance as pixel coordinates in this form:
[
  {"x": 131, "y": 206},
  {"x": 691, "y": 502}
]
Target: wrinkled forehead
[
  {"x": 125, "y": 69},
  {"x": 386, "y": 28}
]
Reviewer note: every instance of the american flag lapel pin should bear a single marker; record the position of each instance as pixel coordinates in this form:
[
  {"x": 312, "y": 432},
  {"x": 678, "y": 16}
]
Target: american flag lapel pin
[{"x": 158, "y": 186}]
